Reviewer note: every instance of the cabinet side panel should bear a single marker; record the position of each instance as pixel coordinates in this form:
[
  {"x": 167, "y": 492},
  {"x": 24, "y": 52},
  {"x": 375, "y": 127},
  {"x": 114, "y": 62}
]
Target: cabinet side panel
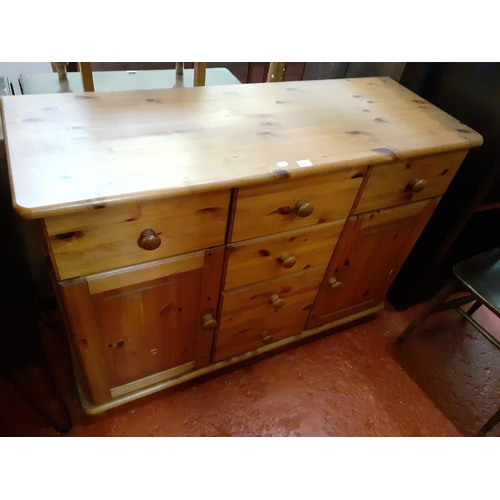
[{"x": 77, "y": 302}]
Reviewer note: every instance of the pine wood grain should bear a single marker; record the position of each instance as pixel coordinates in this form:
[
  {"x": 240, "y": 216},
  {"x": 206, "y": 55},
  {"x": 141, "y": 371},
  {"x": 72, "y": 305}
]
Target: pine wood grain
[
  {"x": 263, "y": 210},
  {"x": 128, "y": 276},
  {"x": 245, "y": 304},
  {"x": 209, "y": 302},
  {"x": 106, "y": 237},
  {"x": 70, "y": 150},
  {"x": 245, "y": 338},
  {"x": 247, "y": 312},
  {"x": 367, "y": 258},
  {"x": 257, "y": 259},
  {"x": 387, "y": 185},
  {"x": 86, "y": 339},
  {"x": 91, "y": 409},
  {"x": 149, "y": 327}
]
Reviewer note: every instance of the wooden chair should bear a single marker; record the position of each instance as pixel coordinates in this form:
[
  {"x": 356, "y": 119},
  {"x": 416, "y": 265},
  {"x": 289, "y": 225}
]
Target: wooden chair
[
  {"x": 276, "y": 73},
  {"x": 85, "y": 68},
  {"x": 479, "y": 276}
]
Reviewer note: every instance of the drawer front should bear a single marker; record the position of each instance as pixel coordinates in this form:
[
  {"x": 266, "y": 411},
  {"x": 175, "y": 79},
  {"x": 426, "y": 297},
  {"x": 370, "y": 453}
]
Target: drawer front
[
  {"x": 271, "y": 297},
  {"x": 266, "y": 312},
  {"x": 273, "y": 256},
  {"x": 110, "y": 237},
  {"x": 271, "y": 209},
  {"x": 259, "y": 333},
  {"x": 391, "y": 184}
]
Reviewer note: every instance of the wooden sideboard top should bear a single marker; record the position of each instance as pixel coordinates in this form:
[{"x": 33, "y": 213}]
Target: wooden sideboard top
[{"x": 68, "y": 152}]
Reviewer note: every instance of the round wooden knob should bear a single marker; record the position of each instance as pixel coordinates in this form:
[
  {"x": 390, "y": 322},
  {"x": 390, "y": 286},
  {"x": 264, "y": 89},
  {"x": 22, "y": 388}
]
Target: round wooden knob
[
  {"x": 334, "y": 284},
  {"x": 266, "y": 338},
  {"x": 277, "y": 302},
  {"x": 303, "y": 209},
  {"x": 417, "y": 185},
  {"x": 149, "y": 240},
  {"x": 209, "y": 323},
  {"x": 287, "y": 260}
]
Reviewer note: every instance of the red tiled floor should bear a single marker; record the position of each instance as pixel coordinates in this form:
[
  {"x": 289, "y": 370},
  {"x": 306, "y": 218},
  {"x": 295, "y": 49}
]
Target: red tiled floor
[{"x": 354, "y": 382}]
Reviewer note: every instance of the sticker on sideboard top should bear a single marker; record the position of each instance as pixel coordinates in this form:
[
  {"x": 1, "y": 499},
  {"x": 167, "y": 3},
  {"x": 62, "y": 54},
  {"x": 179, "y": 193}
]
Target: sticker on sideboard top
[
  {"x": 304, "y": 163},
  {"x": 282, "y": 164}
]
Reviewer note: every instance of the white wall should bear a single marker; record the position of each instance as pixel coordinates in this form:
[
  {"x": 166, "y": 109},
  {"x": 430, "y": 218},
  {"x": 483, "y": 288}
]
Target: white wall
[{"x": 12, "y": 70}]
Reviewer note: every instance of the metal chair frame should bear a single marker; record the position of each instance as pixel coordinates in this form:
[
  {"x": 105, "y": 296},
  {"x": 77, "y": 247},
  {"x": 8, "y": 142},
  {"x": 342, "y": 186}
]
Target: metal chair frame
[{"x": 479, "y": 276}]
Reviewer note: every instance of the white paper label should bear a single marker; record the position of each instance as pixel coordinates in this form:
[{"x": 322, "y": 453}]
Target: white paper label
[
  {"x": 282, "y": 164},
  {"x": 304, "y": 163}
]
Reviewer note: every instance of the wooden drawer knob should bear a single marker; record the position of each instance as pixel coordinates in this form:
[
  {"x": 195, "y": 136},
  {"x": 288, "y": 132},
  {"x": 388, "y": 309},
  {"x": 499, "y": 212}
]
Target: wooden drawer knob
[
  {"x": 303, "y": 209},
  {"x": 209, "y": 323},
  {"x": 287, "y": 260},
  {"x": 334, "y": 284},
  {"x": 266, "y": 338},
  {"x": 417, "y": 185},
  {"x": 277, "y": 302},
  {"x": 149, "y": 240}
]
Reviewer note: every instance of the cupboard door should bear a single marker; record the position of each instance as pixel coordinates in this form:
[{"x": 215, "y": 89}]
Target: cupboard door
[
  {"x": 143, "y": 324},
  {"x": 369, "y": 254}
]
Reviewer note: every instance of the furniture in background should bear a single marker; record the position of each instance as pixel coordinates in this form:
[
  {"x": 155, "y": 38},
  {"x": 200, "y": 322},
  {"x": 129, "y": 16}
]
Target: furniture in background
[
  {"x": 245, "y": 72},
  {"x": 245, "y": 221},
  {"x": 258, "y": 72},
  {"x": 62, "y": 81},
  {"x": 479, "y": 276},
  {"x": 464, "y": 223}
]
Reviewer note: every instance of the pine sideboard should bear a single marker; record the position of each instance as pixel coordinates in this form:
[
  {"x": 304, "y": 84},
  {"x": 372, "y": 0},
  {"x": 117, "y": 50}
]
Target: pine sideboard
[{"x": 189, "y": 229}]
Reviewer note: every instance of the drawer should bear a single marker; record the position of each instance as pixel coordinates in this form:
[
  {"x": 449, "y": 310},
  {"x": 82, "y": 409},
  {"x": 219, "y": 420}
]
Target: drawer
[
  {"x": 271, "y": 297},
  {"x": 273, "y": 256},
  {"x": 279, "y": 307},
  {"x": 274, "y": 208},
  {"x": 391, "y": 184},
  {"x": 108, "y": 238},
  {"x": 258, "y": 333}
]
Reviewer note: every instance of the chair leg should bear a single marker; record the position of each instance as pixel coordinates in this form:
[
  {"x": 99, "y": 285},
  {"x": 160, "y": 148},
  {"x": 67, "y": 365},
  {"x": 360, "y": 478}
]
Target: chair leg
[
  {"x": 435, "y": 302},
  {"x": 490, "y": 424},
  {"x": 474, "y": 307}
]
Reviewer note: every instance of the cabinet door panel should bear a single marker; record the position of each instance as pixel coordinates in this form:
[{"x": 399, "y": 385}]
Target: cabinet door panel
[
  {"x": 130, "y": 332},
  {"x": 370, "y": 252},
  {"x": 149, "y": 327}
]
